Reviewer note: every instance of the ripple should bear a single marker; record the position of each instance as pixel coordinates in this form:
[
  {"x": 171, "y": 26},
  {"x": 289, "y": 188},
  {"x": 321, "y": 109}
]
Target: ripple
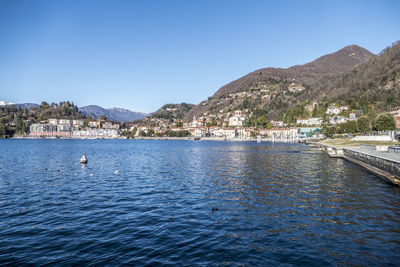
[{"x": 191, "y": 203}]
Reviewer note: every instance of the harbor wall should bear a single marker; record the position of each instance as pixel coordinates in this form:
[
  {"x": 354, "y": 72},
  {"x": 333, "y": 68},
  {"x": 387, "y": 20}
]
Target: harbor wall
[{"x": 387, "y": 169}]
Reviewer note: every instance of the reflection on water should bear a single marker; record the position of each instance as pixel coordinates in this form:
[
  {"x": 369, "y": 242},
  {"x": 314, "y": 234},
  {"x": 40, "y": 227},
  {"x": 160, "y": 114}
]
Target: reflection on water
[{"x": 191, "y": 203}]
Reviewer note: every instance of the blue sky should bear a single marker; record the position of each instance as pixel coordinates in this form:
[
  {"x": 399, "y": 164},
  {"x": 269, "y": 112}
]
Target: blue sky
[{"x": 142, "y": 54}]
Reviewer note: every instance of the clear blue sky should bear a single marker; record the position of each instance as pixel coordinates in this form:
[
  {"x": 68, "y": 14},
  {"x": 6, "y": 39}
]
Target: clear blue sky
[{"x": 142, "y": 54}]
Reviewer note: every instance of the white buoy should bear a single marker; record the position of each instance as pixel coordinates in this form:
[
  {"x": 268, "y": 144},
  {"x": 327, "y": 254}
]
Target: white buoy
[
  {"x": 116, "y": 172},
  {"x": 84, "y": 159}
]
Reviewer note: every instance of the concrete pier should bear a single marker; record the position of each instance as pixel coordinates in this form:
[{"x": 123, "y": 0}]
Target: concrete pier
[{"x": 384, "y": 161}]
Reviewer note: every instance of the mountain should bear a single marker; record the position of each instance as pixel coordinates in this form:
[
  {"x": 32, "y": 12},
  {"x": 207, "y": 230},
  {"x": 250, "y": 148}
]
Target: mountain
[
  {"x": 375, "y": 82},
  {"x": 116, "y": 114},
  {"x": 23, "y": 105},
  {"x": 311, "y": 80},
  {"x": 4, "y": 103}
]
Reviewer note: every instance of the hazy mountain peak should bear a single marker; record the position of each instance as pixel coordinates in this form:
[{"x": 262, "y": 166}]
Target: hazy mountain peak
[
  {"x": 117, "y": 114},
  {"x": 4, "y": 103}
]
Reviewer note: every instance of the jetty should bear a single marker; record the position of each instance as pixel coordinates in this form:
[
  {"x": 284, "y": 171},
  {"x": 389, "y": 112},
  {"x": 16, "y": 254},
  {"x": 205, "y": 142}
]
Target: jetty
[{"x": 384, "y": 161}]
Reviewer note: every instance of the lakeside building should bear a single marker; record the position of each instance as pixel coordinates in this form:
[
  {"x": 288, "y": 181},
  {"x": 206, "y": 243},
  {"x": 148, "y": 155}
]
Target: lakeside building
[
  {"x": 199, "y": 132},
  {"x": 64, "y": 128},
  {"x": 77, "y": 123},
  {"x": 49, "y": 130},
  {"x": 225, "y": 133},
  {"x": 307, "y": 132},
  {"x": 280, "y": 133},
  {"x": 94, "y": 124},
  {"x": 243, "y": 133},
  {"x": 96, "y": 133}
]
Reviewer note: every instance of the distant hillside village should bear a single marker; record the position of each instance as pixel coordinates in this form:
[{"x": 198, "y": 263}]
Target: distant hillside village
[
  {"x": 238, "y": 124},
  {"x": 243, "y": 124}
]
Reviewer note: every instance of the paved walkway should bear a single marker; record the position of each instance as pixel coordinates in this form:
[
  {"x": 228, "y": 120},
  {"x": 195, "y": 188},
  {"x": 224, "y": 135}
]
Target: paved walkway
[{"x": 393, "y": 156}]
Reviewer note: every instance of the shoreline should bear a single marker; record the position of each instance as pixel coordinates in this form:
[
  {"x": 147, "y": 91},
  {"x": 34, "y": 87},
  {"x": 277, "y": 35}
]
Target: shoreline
[
  {"x": 191, "y": 138},
  {"x": 380, "y": 160}
]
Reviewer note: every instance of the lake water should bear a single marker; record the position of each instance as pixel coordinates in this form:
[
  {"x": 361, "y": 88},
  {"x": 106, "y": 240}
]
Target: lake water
[{"x": 188, "y": 203}]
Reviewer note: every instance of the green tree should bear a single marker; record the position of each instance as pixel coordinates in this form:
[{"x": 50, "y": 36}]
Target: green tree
[
  {"x": 385, "y": 121},
  {"x": 133, "y": 132},
  {"x": 2, "y": 129},
  {"x": 150, "y": 132},
  {"x": 363, "y": 124},
  {"x": 330, "y": 130}
]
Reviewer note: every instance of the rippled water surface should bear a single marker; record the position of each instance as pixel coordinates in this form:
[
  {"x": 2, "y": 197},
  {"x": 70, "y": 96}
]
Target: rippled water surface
[{"x": 191, "y": 203}]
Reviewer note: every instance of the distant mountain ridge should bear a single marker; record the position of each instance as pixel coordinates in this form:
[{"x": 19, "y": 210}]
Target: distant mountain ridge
[
  {"x": 4, "y": 103},
  {"x": 23, "y": 105},
  {"x": 116, "y": 114}
]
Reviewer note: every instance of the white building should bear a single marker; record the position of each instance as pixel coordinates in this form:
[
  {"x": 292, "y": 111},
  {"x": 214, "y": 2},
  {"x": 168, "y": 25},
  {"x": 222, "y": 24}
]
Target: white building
[
  {"x": 64, "y": 122},
  {"x": 96, "y": 133},
  {"x": 77, "y": 123},
  {"x": 395, "y": 111},
  {"x": 295, "y": 88},
  {"x": 243, "y": 133},
  {"x": 236, "y": 121},
  {"x": 53, "y": 121},
  {"x": 196, "y": 122},
  {"x": 314, "y": 121},
  {"x": 278, "y": 124},
  {"x": 288, "y": 133},
  {"x": 225, "y": 132},
  {"x": 336, "y": 110},
  {"x": 93, "y": 124},
  {"x": 352, "y": 116},
  {"x": 200, "y": 132},
  {"x": 110, "y": 125},
  {"x": 302, "y": 121}
]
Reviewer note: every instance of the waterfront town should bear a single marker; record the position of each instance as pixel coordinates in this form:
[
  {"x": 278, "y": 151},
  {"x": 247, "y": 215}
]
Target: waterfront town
[
  {"x": 65, "y": 128},
  {"x": 233, "y": 127}
]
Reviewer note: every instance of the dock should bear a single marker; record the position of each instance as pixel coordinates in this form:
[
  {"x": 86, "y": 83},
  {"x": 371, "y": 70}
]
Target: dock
[{"x": 384, "y": 161}]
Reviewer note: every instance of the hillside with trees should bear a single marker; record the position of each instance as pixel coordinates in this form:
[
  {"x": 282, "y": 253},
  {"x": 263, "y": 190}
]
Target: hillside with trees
[
  {"x": 375, "y": 82},
  {"x": 275, "y": 90},
  {"x": 15, "y": 120}
]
